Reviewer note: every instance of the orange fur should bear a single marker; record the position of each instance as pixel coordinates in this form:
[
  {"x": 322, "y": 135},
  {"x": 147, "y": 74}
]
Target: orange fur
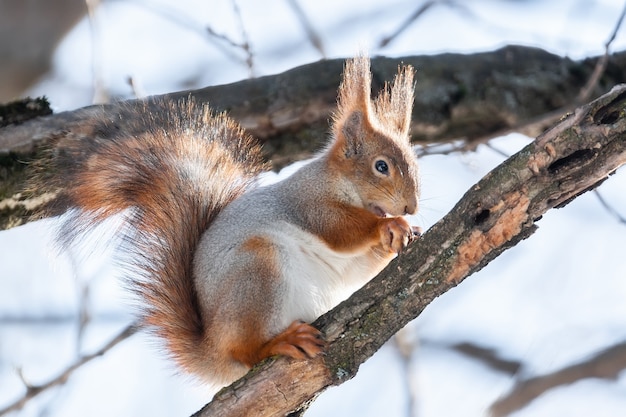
[{"x": 353, "y": 229}]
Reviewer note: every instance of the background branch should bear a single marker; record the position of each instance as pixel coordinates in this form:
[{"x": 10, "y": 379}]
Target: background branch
[
  {"x": 495, "y": 92},
  {"x": 34, "y": 390},
  {"x": 289, "y": 111},
  {"x": 574, "y": 156},
  {"x": 605, "y": 365}
]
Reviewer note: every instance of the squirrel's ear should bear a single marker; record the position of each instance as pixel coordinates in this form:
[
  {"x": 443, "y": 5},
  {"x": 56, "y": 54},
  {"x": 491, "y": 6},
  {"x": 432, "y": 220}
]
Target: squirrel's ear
[
  {"x": 354, "y": 106},
  {"x": 394, "y": 104},
  {"x": 355, "y": 90},
  {"x": 352, "y": 134}
]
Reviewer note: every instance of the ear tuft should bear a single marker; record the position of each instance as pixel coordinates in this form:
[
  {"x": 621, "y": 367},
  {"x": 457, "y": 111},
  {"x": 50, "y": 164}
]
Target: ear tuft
[
  {"x": 355, "y": 88},
  {"x": 352, "y": 119},
  {"x": 394, "y": 104}
]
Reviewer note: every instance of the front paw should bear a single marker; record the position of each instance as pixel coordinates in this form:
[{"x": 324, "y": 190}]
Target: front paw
[{"x": 395, "y": 234}]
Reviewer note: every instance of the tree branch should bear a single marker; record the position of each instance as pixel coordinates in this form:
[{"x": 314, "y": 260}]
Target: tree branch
[
  {"x": 606, "y": 364},
  {"x": 466, "y": 97},
  {"x": 457, "y": 96},
  {"x": 574, "y": 156}
]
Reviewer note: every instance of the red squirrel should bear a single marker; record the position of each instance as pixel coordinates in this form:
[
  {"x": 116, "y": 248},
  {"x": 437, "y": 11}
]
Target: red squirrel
[{"x": 229, "y": 273}]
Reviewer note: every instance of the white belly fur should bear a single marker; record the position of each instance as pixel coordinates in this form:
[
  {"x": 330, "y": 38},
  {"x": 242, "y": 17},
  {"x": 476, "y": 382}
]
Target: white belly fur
[{"x": 317, "y": 278}]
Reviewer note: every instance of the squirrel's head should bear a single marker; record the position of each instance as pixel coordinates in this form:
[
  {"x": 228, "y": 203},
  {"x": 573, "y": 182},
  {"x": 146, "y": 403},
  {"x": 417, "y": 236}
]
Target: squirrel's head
[{"x": 371, "y": 140}]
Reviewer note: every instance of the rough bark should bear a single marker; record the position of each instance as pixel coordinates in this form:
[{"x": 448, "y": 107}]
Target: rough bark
[
  {"x": 574, "y": 156},
  {"x": 19, "y": 111},
  {"x": 457, "y": 97}
]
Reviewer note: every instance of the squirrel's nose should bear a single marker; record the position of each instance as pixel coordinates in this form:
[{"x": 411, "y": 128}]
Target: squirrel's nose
[{"x": 410, "y": 208}]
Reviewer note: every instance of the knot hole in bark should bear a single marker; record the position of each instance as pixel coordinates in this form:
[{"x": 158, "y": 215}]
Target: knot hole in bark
[
  {"x": 575, "y": 159},
  {"x": 613, "y": 112},
  {"x": 481, "y": 217},
  {"x": 608, "y": 118}
]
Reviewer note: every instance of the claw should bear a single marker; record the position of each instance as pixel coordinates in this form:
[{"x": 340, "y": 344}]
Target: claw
[{"x": 299, "y": 341}]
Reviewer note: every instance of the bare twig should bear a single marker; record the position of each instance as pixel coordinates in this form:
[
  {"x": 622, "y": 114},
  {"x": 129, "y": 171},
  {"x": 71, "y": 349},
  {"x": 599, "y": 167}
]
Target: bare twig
[
  {"x": 411, "y": 19},
  {"x": 488, "y": 357},
  {"x": 246, "y": 41},
  {"x": 189, "y": 23},
  {"x": 406, "y": 347},
  {"x": 226, "y": 40},
  {"x": 134, "y": 84},
  {"x": 600, "y": 67},
  {"x": 531, "y": 127},
  {"x": 311, "y": 33},
  {"x": 442, "y": 148},
  {"x": 34, "y": 390},
  {"x": 496, "y": 150},
  {"x": 84, "y": 315},
  {"x": 610, "y": 208},
  {"x": 100, "y": 94}
]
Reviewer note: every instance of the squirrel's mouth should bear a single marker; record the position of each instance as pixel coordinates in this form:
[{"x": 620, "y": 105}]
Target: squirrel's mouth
[{"x": 379, "y": 211}]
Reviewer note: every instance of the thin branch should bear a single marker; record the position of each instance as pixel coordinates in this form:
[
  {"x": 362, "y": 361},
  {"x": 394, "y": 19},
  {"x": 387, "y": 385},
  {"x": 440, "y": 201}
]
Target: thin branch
[
  {"x": 100, "y": 94},
  {"x": 404, "y": 25},
  {"x": 223, "y": 39},
  {"x": 531, "y": 127},
  {"x": 605, "y": 365},
  {"x": 610, "y": 208},
  {"x": 135, "y": 86},
  {"x": 246, "y": 45},
  {"x": 488, "y": 357},
  {"x": 310, "y": 31},
  {"x": 34, "y": 390},
  {"x": 405, "y": 348},
  {"x": 442, "y": 148},
  {"x": 585, "y": 92},
  {"x": 189, "y": 23},
  {"x": 496, "y": 150},
  {"x": 411, "y": 19}
]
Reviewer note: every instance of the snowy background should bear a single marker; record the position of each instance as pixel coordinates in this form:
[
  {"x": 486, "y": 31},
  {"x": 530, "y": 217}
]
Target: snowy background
[{"x": 552, "y": 301}]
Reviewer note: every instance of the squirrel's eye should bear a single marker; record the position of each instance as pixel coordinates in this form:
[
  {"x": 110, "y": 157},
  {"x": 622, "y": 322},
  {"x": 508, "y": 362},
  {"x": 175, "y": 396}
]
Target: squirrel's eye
[{"x": 381, "y": 166}]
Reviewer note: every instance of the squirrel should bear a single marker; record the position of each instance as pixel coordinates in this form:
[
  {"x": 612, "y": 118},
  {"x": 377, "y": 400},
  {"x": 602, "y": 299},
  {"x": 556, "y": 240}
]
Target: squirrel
[{"x": 229, "y": 273}]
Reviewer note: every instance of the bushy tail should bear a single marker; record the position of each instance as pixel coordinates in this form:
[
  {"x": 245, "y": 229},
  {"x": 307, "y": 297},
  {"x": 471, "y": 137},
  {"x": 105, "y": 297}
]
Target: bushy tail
[{"x": 170, "y": 172}]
